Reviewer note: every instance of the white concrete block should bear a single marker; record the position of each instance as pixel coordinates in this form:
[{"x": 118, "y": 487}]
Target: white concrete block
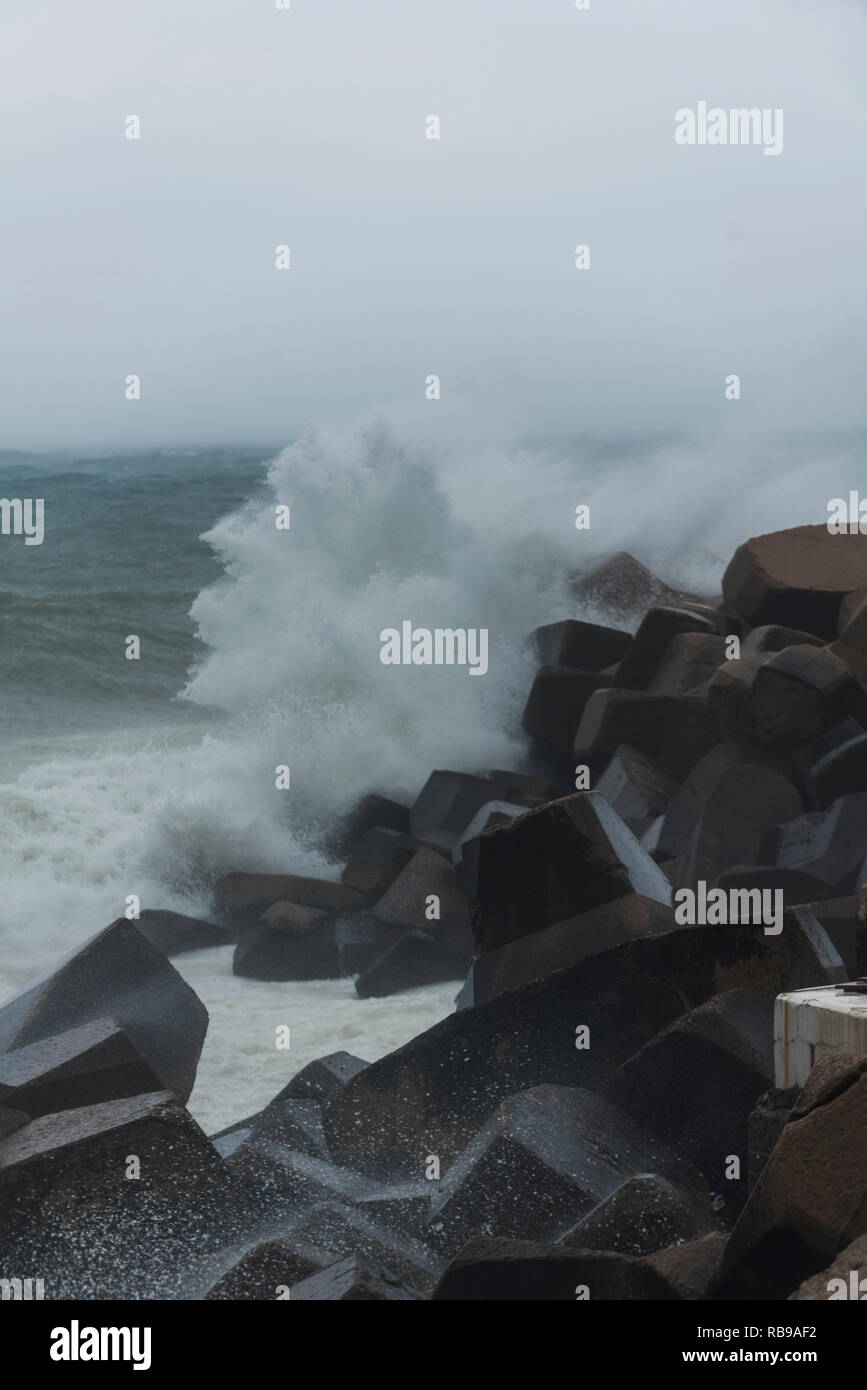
[{"x": 814, "y": 1023}]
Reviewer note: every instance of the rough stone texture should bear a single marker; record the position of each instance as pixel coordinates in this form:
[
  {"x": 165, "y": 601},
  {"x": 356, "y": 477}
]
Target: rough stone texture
[
  {"x": 810, "y": 1201},
  {"x": 554, "y": 863},
  {"x": 728, "y": 690},
  {"x": 260, "y": 1272},
  {"x": 378, "y": 858},
  {"x": 569, "y": 942},
  {"x": 852, "y": 1260},
  {"x": 839, "y": 917},
  {"x": 773, "y": 638},
  {"x": 724, "y": 622},
  {"x": 71, "y": 1212},
  {"x": 83, "y": 1066},
  {"x": 523, "y": 787},
  {"x": 290, "y": 942},
  {"x": 585, "y": 646},
  {"x": 492, "y": 813},
  {"x": 851, "y": 645},
  {"x": 842, "y": 770},
  {"x": 493, "y": 1268},
  {"x": 116, "y": 972},
  {"x": 655, "y": 632},
  {"x": 465, "y": 855},
  {"x": 796, "y": 578},
  {"x": 764, "y": 1127},
  {"x": 621, "y": 586},
  {"x": 346, "y": 1231},
  {"x": 555, "y": 705},
  {"x": 545, "y": 1158},
  {"x": 634, "y": 785},
  {"x": 794, "y": 884},
  {"x": 353, "y": 1280},
  {"x": 798, "y": 692},
  {"x": 830, "y": 739},
  {"x": 278, "y": 1179},
  {"x": 371, "y": 812},
  {"x": 322, "y": 1080},
  {"x": 431, "y": 1095},
  {"x": 359, "y": 938},
  {"x": 853, "y": 605},
  {"x": 828, "y": 845},
  {"x": 828, "y": 1079},
  {"x": 672, "y": 729},
  {"x": 242, "y": 898},
  {"x": 295, "y": 1123},
  {"x": 405, "y": 903},
  {"x": 687, "y": 664},
  {"x": 696, "y": 1082},
  {"x": 401, "y": 1207},
  {"x": 745, "y": 803},
  {"x": 644, "y": 1214},
  {"x": 10, "y": 1120},
  {"x": 690, "y": 1268},
  {"x": 685, "y": 808},
  {"x": 448, "y": 801}
]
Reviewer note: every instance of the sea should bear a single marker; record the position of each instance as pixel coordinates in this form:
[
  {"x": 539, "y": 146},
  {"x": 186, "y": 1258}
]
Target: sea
[{"x": 259, "y": 648}]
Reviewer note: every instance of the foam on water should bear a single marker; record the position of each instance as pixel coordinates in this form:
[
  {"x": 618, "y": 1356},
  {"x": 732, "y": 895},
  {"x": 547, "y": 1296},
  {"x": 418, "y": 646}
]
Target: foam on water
[
  {"x": 293, "y": 676},
  {"x": 381, "y": 531},
  {"x": 242, "y": 1068}
]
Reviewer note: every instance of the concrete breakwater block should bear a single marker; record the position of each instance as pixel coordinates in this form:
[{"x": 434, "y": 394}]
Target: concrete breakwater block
[{"x": 814, "y": 1023}]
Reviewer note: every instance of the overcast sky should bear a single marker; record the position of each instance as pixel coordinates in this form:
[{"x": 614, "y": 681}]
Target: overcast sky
[{"x": 411, "y": 256}]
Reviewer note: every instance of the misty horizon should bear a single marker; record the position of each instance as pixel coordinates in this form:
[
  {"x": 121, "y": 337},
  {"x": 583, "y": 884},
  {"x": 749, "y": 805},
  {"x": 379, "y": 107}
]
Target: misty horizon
[{"x": 412, "y": 256}]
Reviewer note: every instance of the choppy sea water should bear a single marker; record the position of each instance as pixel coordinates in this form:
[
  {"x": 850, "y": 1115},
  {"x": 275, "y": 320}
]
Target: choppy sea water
[{"x": 260, "y": 647}]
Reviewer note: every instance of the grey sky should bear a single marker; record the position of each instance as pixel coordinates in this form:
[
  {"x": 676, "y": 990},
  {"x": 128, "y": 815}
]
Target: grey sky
[{"x": 412, "y": 256}]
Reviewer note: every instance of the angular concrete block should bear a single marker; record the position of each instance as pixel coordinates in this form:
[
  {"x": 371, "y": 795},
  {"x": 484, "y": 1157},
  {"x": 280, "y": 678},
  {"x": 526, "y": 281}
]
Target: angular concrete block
[
  {"x": 584, "y": 646},
  {"x": 173, "y": 933},
  {"x": 796, "y": 694},
  {"x": 634, "y": 784},
  {"x": 672, "y": 729},
  {"x": 496, "y": 1269},
  {"x": 728, "y": 691},
  {"x": 289, "y": 942},
  {"x": 347, "y": 1231},
  {"x": 86, "y": 1065},
  {"x": 353, "y": 1280},
  {"x": 433, "y": 1094},
  {"x": 688, "y": 664},
  {"x": 840, "y": 771},
  {"x": 655, "y": 632},
  {"x": 377, "y": 859},
  {"x": 621, "y": 586},
  {"x": 746, "y": 803},
  {"x": 540, "y": 953},
  {"x": 406, "y": 903},
  {"x": 242, "y": 898},
  {"x": 796, "y": 578},
  {"x": 561, "y": 860},
  {"x": 645, "y": 1214},
  {"x": 116, "y": 973},
  {"x": 322, "y": 1080},
  {"x": 555, "y": 705},
  {"x": 695, "y": 1084},
  {"x": 810, "y": 1200},
  {"x": 259, "y": 1271},
  {"x": 544, "y": 1160}
]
